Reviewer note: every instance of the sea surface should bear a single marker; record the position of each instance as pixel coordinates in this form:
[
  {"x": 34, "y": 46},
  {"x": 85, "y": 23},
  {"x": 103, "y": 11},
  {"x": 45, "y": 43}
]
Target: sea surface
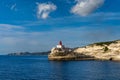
[{"x": 40, "y": 68}]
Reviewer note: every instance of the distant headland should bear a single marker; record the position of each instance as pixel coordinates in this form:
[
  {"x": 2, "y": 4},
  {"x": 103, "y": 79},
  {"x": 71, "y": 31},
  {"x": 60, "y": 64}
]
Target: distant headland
[
  {"x": 98, "y": 51},
  {"x": 29, "y": 53}
]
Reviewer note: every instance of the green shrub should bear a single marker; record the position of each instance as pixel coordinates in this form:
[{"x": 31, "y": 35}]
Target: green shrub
[
  {"x": 105, "y": 43},
  {"x": 106, "y": 49}
]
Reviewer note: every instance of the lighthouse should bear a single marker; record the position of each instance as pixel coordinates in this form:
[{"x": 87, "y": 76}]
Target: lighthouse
[
  {"x": 60, "y": 49},
  {"x": 60, "y": 45}
]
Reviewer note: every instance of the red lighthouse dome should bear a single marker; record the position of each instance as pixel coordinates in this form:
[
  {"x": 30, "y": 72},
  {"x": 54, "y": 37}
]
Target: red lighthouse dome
[{"x": 60, "y": 43}]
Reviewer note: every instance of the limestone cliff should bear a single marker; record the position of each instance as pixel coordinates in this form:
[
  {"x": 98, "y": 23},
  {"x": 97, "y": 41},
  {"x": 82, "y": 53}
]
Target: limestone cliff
[
  {"x": 97, "y": 51},
  {"x": 103, "y": 50}
]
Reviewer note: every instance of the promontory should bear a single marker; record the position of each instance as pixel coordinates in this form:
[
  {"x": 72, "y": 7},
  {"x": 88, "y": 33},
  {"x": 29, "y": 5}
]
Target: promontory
[{"x": 97, "y": 51}]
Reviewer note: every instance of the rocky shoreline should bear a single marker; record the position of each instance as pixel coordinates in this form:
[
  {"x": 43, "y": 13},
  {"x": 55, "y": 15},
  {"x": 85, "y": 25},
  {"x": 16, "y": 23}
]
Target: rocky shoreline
[{"x": 98, "y": 51}]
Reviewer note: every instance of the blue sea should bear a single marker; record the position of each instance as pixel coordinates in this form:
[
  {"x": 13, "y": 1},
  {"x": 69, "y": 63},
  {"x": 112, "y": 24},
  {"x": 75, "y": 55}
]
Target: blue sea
[{"x": 40, "y": 68}]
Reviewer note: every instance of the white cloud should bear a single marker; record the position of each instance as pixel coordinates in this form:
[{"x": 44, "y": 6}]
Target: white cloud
[
  {"x": 10, "y": 27},
  {"x": 13, "y": 7},
  {"x": 44, "y": 9},
  {"x": 85, "y": 7}
]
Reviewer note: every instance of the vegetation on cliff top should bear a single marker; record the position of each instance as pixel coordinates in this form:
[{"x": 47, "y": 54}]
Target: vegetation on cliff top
[{"x": 104, "y": 43}]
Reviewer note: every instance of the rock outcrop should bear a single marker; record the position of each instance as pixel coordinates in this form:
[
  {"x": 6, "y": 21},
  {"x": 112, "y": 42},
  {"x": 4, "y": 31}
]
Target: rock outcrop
[{"x": 97, "y": 51}]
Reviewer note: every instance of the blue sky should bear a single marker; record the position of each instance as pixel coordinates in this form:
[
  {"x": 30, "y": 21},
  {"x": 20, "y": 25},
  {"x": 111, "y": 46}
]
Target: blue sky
[{"x": 38, "y": 25}]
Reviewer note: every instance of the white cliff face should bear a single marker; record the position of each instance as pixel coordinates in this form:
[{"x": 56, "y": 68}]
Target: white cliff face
[{"x": 104, "y": 50}]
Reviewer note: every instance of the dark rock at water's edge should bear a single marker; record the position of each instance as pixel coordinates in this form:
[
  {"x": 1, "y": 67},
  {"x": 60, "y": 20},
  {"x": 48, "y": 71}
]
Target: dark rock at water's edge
[{"x": 29, "y": 53}]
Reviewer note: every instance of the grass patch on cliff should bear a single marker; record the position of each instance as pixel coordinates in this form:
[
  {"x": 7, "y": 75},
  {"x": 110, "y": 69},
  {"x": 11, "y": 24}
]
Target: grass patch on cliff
[{"x": 104, "y": 43}]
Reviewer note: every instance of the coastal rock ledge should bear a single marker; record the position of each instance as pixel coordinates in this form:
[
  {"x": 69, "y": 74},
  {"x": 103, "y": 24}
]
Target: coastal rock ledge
[{"x": 98, "y": 51}]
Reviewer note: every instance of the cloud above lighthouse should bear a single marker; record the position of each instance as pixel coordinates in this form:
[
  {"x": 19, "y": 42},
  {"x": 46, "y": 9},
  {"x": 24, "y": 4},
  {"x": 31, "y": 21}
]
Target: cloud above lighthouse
[{"x": 85, "y": 7}]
